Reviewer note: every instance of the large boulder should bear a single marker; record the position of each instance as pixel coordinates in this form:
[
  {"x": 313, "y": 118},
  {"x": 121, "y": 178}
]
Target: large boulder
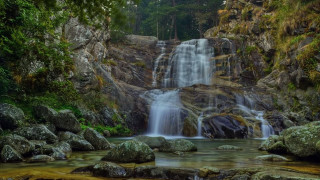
[
  {"x": 301, "y": 140},
  {"x": 77, "y": 143},
  {"x": 110, "y": 170},
  {"x": 37, "y": 132},
  {"x": 10, "y": 116},
  {"x": 271, "y": 157},
  {"x": 181, "y": 145},
  {"x": 98, "y": 141},
  {"x": 19, "y": 143},
  {"x": 152, "y": 142},
  {"x": 225, "y": 126},
  {"x": 130, "y": 151},
  {"x": 58, "y": 151},
  {"x": 8, "y": 154},
  {"x": 67, "y": 121},
  {"x": 44, "y": 113}
]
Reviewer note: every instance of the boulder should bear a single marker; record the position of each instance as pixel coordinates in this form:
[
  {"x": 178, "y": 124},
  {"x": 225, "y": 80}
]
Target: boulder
[
  {"x": 44, "y": 113},
  {"x": 130, "y": 151},
  {"x": 77, "y": 143},
  {"x": 111, "y": 170},
  {"x": 96, "y": 139},
  {"x": 278, "y": 148},
  {"x": 172, "y": 173},
  {"x": 182, "y": 145},
  {"x": 63, "y": 147},
  {"x": 37, "y": 132},
  {"x": 40, "y": 158},
  {"x": 66, "y": 121},
  {"x": 8, "y": 154},
  {"x": 301, "y": 140},
  {"x": 10, "y": 116},
  {"x": 224, "y": 127},
  {"x": 229, "y": 148},
  {"x": 269, "y": 142},
  {"x": 152, "y": 142},
  {"x": 271, "y": 157},
  {"x": 58, "y": 151},
  {"x": 19, "y": 143},
  {"x": 207, "y": 170}
]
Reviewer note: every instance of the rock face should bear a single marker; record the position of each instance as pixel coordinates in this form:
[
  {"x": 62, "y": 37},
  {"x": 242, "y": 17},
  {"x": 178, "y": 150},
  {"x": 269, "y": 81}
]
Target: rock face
[
  {"x": 152, "y": 142},
  {"x": 66, "y": 121},
  {"x": 144, "y": 41},
  {"x": 20, "y": 144},
  {"x": 37, "y": 132},
  {"x": 8, "y": 154},
  {"x": 181, "y": 145},
  {"x": 77, "y": 143},
  {"x": 130, "y": 151},
  {"x": 96, "y": 139},
  {"x": 10, "y": 116}
]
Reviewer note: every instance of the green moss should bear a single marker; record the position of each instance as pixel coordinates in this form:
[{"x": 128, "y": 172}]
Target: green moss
[
  {"x": 291, "y": 87},
  {"x": 140, "y": 64},
  {"x": 110, "y": 62},
  {"x": 250, "y": 49}
]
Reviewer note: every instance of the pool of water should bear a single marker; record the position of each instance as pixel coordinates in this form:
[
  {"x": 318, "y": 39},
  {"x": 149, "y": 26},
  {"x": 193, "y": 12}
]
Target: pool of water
[{"x": 207, "y": 155}]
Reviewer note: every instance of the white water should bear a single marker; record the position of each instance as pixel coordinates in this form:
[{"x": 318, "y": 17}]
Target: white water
[
  {"x": 200, "y": 118},
  {"x": 190, "y": 64},
  {"x": 162, "y": 46},
  {"x": 246, "y": 104},
  {"x": 165, "y": 113}
]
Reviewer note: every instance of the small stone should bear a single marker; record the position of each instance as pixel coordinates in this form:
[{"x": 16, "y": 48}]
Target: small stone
[
  {"x": 207, "y": 170},
  {"x": 40, "y": 158},
  {"x": 179, "y": 153},
  {"x": 271, "y": 157},
  {"x": 229, "y": 148}
]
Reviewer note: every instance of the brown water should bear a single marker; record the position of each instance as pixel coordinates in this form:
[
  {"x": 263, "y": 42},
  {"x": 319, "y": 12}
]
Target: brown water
[{"x": 207, "y": 155}]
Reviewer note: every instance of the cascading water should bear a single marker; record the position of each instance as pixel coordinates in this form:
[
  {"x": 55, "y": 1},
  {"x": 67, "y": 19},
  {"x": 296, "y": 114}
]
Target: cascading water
[
  {"x": 162, "y": 46},
  {"x": 246, "y": 104},
  {"x": 165, "y": 113},
  {"x": 188, "y": 65}
]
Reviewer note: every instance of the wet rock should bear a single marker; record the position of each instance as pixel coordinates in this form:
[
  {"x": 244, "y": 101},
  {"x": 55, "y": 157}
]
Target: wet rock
[
  {"x": 301, "y": 140},
  {"x": 229, "y": 148},
  {"x": 283, "y": 175},
  {"x": 66, "y": 121},
  {"x": 10, "y": 116},
  {"x": 96, "y": 139},
  {"x": 63, "y": 147},
  {"x": 58, "y": 151},
  {"x": 19, "y": 143},
  {"x": 106, "y": 133},
  {"x": 152, "y": 142},
  {"x": 171, "y": 173},
  {"x": 271, "y": 157},
  {"x": 207, "y": 170},
  {"x": 278, "y": 148},
  {"x": 8, "y": 154},
  {"x": 179, "y": 153},
  {"x": 37, "y": 132},
  {"x": 181, "y": 145},
  {"x": 77, "y": 143},
  {"x": 190, "y": 128},
  {"x": 110, "y": 170},
  {"x": 44, "y": 113},
  {"x": 130, "y": 151},
  {"x": 40, "y": 158},
  {"x": 269, "y": 142},
  {"x": 224, "y": 127},
  {"x": 241, "y": 177}
]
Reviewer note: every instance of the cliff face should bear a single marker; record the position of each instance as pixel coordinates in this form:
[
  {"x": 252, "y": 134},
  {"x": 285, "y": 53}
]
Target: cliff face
[{"x": 279, "y": 49}]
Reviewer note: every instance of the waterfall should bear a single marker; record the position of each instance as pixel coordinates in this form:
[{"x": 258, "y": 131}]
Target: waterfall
[
  {"x": 246, "y": 104},
  {"x": 190, "y": 64},
  {"x": 165, "y": 113},
  {"x": 200, "y": 118},
  {"x": 162, "y": 46}
]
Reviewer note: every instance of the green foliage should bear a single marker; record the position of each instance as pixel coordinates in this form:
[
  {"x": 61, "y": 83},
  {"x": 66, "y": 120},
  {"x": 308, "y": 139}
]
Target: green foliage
[
  {"x": 65, "y": 90},
  {"x": 250, "y": 49},
  {"x": 291, "y": 87},
  {"x": 119, "y": 130},
  {"x": 110, "y": 62},
  {"x": 6, "y": 82}
]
